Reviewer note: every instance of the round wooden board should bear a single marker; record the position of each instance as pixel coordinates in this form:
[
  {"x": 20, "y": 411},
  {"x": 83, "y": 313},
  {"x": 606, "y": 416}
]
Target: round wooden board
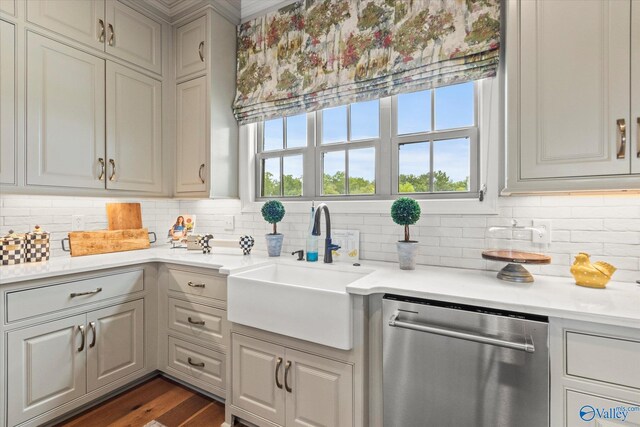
[{"x": 516, "y": 256}]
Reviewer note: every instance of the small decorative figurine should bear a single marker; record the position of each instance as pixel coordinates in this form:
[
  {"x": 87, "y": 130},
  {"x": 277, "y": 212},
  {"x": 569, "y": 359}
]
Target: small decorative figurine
[
  {"x": 246, "y": 244},
  {"x": 591, "y": 275},
  {"x": 204, "y": 242}
]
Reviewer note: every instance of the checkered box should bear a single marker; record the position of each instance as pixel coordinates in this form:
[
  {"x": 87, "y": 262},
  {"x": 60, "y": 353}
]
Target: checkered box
[
  {"x": 12, "y": 250},
  {"x": 37, "y": 247}
]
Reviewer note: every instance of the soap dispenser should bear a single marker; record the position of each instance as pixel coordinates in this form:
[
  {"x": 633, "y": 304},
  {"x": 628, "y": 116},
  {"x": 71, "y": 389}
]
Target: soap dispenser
[{"x": 312, "y": 241}]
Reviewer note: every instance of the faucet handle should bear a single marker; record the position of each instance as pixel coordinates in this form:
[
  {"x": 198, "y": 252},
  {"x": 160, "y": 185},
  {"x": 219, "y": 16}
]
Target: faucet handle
[
  {"x": 334, "y": 247},
  {"x": 300, "y": 254}
]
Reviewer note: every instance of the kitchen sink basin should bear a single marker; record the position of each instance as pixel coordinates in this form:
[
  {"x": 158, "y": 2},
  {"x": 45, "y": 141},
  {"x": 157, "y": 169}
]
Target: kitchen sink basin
[{"x": 309, "y": 303}]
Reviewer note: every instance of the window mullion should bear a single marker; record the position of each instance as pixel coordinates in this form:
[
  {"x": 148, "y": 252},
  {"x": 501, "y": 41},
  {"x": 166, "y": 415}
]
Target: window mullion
[
  {"x": 384, "y": 149},
  {"x": 431, "y": 171}
]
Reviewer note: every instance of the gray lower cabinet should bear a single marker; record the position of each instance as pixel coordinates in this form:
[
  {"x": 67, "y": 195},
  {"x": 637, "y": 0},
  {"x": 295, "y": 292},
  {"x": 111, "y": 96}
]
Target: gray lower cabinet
[
  {"x": 290, "y": 387},
  {"x": 46, "y": 367},
  {"x": 595, "y": 374},
  {"x": 53, "y": 363},
  {"x": 193, "y": 327}
]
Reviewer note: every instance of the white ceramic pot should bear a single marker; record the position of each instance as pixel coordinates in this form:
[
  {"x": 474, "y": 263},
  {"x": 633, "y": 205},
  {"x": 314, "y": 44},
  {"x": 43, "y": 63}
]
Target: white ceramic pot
[
  {"x": 274, "y": 244},
  {"x": 407, "y": 254}
]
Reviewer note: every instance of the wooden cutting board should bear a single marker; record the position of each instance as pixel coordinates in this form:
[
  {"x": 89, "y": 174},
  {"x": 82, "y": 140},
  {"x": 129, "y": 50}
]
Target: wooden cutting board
[
  {"x": 124, "y": 216},
  {"x": 107, "y": 241}
]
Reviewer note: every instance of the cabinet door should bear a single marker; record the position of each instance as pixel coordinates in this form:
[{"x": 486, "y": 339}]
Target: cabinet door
[
  {"x": 80, "y": 20},
  {"x": 258, "y": 375},
  {"x": 7, "y": 104},
  {"x": 134, "y": 144},
  {"x": 586, "y": 410},
  {"x": 65, "y": 115},
  {"x": 115, "y": 343},
  {"x": 191, "y": 125},
  {"x": 635, "y": 87},
  {"x": 8, "y": 6},
  {"x": 574, "y": 88},
  {"x": 190, "y": 47},
  {"x": 133, "y": 37},
  {"x": 321, "y": 391},
  {"x": 46, "y": 367}
]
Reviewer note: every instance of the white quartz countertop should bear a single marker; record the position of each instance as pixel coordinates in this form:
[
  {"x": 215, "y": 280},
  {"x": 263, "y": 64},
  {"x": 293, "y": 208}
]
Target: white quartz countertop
[
  {"x": 223, "y": 259},
  {"x": 618, "y": 304}
]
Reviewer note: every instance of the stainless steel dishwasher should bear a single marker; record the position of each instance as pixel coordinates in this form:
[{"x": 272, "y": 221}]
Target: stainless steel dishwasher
[{"x": 454, "y": 365}]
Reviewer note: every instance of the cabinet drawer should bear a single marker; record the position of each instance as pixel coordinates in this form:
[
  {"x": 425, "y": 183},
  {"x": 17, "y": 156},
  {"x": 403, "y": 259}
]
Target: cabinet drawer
[
  {"x": 197, "y": 321},
  {"x": 586, "y": 410},
  {"x": 38, "y": 301},
  {"x": 606, "y": 359},
  {"x": 197, "y": 362},
  {"x": 196, "y": 284}
]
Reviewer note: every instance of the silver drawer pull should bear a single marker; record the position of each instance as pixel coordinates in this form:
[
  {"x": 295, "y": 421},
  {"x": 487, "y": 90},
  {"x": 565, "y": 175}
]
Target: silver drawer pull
[
  {"x": 622, "y": 130},
  {"x": 101, "y": 33},
  {"x": 195, "y": 322},
  {"x": 195, "y": 285},
  {"x": 112, "y": 36},
  {"x": 286, "y": 377},
  {"x": 92, "y": 326},
  {"x": 278, "y": 365},
  {"x": 82, "y": 334},
  {"x": 526, "y": 346},
  {"x": 197, "y": 365},
  {"x": 79, "y": 294},
  {"x": 638, "y": 138}
]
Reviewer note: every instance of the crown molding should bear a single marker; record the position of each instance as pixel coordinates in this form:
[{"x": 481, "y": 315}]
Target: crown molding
[
  {"x": 174, "y": 10},
  {"x": 253, "y": 8}
]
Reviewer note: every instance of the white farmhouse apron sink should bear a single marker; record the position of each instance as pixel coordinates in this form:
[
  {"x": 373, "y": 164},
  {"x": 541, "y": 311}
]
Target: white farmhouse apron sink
[{"x": 304, "y": 302}]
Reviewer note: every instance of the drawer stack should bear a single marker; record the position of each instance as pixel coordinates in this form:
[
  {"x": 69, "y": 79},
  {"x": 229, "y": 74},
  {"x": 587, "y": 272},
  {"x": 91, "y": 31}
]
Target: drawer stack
[
  {"x": 596, "y": 378},
  {"x": 196, "y": 328}
]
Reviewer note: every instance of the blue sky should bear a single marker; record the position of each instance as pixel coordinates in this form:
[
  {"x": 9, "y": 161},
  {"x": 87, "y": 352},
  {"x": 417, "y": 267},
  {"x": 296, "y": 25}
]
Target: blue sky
[{"x": 453, "y": 109}]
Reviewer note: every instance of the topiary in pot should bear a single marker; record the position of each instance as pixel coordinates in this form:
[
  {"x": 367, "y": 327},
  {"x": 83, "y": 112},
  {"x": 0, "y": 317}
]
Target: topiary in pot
[
  {"x": 273, "y": 212},
  {"x": 406, "y": 211}
]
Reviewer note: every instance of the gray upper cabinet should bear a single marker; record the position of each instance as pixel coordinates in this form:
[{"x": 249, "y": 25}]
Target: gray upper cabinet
[
  {"x": 133, "y": 37},
  {"x": 82, "y": 21},
  {"x": 107, "y": 25},
  {"x": 207, "y": 132},
  {"x": 569, "y": 83},
  {"x": 190, "y": 48},
  {"x": 134, "y": 144},
  {"x": 65, "y": 115},
  {"x": 7, "y": 104},
  {"x": 635, "y": 87},
  {"x": 192, "y": 135}
]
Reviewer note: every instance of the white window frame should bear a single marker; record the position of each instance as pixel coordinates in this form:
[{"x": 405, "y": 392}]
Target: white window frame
[{"x": 489, "y": 138}]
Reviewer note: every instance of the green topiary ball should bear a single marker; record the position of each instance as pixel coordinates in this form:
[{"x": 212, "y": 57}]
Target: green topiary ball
[
  {"x": 405, "y": 211},
  {"x": 273, "y": 211}
]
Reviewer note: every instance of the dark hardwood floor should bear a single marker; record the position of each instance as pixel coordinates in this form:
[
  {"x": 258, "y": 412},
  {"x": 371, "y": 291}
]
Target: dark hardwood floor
[{"x": 159, "y": 399}]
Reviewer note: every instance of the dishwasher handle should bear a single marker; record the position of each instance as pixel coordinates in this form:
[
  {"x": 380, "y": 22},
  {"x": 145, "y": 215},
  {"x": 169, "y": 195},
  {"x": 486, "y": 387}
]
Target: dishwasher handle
[{"x": 527, "y": 346}]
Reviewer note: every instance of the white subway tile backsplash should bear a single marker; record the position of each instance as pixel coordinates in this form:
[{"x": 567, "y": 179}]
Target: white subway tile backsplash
[{"x": 607, "y": 227}]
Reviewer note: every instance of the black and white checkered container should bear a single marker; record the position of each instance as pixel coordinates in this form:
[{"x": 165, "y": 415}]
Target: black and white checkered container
[
  {"x": 37, "y": 247},
  {"x": 12, "y": 250}
]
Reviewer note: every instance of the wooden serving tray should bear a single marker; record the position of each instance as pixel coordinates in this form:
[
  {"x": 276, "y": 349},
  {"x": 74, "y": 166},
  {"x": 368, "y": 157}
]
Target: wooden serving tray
[
  {"x": 516, "y": 256},
  {"x": 107, "y": 241}
]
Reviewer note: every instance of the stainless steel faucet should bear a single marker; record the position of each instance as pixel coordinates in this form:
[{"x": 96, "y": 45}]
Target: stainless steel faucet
[{"x": 328, "y": 246}]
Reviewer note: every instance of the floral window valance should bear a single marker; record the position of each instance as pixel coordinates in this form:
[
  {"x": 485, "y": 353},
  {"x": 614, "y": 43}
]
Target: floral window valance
[{"x": 315, "y": 54}]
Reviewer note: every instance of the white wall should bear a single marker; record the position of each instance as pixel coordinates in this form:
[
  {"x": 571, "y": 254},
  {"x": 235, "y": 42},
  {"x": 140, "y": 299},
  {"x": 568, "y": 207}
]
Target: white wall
[{"x": 607, "y": 227}]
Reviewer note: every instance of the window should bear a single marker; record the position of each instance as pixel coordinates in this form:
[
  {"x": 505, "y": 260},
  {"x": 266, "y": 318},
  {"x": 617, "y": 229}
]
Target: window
[
  {"x": 422, "y": 143},
  {"x": 281, "y": 157}
]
